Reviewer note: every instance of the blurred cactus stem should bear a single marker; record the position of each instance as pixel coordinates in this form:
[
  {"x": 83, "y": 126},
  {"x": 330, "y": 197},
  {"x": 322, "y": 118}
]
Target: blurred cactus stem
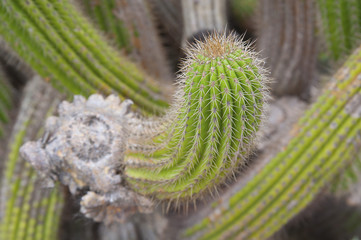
[
  {"x": 61, "y": 45},
  {"x": 203, "y": 17},
  {"x": 341, "y": 25},
  {"x": 287, "y": 41},
  {"x": 27, "y": 209},
  {"x": 130, "y": 26},
  {"x": 5, "y": 100},
  {"x": 243, "y": 9}
]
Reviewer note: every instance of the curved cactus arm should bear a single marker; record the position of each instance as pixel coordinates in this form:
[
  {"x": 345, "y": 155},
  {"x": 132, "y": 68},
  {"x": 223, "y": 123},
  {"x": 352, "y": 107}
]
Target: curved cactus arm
[
  {"x": 324, "y": 144},
  {"x": 27, "y": 209},
  {"x": 65, "y": 49},
  {"x": 341, "y": 24},
  {"x": 218, "y": 113}
]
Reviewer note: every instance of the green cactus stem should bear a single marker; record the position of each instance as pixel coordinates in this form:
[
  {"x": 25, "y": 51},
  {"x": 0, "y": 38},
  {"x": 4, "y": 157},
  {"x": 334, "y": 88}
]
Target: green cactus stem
[
  {"x": 210, "y": 129},
  {"x": 27, "y": 209},
  {"x": 243, "y": 9},
  {"x": 56, "y": 41},
  {"x": 104, "y": 15},
  {"x": 341, "y": 24},
  {"x": 129, "y": 24},
  {"x": 5, "y": 100},
  {"x": 349, "y": 179},
  {"x": 324, "y": 144}
]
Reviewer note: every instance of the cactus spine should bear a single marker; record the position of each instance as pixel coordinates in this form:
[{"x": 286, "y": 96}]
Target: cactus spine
[
  {"x": 27, "y": 210},
  {"x": 210, "y": 129},
  {"x": 66, "y": 50},
  {"x": 324, "y": 145}
]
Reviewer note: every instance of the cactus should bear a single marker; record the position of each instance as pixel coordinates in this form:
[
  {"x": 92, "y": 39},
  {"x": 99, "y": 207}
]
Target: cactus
[
  {"x": 27, "y": 210},
  {"x": 341, "y": 24},
  {"x": 287, "y": 40},
  {"x": 130, "y": 25},
  {"x": 349, "y": 179},
  {"x": 324, "y": 144},
  {"x": 65, "y": 49},
  {"x": 5, "y": 100},
  {"x": 214, "y": 18},
  {"x": 207, "y": 135},
  {"x": 105, "y": 16},
  {"x": 168, "y": 14},
  {"x": 211, "y": 132},
  {"x": 333, "y": 216},
  {"x": 242, "y": 9}
]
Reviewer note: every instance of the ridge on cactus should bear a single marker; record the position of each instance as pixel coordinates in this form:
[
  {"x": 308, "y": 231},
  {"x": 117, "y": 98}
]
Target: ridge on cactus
[{"x": 120, "y": 158}]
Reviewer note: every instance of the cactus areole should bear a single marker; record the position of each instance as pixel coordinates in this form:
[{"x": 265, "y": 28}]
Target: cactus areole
[{"x": 121, "y": 160}]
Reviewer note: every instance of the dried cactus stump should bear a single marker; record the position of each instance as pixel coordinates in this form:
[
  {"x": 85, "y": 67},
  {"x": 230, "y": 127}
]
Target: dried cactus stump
[
  {"x": 83, "y": 148},
  {"x": 121, "y": 158}
]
